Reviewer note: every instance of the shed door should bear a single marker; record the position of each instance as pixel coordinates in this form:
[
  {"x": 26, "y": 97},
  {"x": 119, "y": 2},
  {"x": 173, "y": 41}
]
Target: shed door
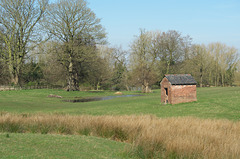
[{"x": 166, "y": 91}]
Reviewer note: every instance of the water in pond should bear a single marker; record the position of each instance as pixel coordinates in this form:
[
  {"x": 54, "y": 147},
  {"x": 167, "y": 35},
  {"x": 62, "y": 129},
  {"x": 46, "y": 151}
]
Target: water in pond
[{"x": 97, "y": 98}]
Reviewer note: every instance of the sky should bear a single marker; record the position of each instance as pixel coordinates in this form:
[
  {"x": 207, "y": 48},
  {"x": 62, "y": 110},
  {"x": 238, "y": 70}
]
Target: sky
[{"x": 205, "y": 21}]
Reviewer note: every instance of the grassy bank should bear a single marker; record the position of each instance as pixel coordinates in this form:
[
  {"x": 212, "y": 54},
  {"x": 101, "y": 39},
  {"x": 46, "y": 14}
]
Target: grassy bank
[
  {"x": 212, "y": 103},
  {"x": 151, "y": 137}
]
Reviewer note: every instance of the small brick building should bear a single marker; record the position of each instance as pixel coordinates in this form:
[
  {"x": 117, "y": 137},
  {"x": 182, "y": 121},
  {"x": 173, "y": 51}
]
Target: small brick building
[{"x": 178, "y": 88}]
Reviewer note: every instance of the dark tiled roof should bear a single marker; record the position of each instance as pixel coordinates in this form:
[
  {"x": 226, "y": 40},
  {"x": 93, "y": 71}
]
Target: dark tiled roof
[{"x": 181, "y": 79}]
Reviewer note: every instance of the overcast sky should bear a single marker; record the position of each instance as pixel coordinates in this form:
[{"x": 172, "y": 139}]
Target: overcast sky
[{"x": 204, "y": 20}]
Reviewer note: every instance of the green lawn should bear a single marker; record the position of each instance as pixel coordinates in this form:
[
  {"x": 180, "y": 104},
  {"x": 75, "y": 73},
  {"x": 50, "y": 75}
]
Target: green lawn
[
  {"x": 212, "y": 103},
  {"x": 29, "y": 146},
  {"x": 221, "y": 103}
]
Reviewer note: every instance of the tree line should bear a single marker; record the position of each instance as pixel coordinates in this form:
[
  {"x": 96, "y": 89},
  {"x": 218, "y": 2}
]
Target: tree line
[
  {"x": 63, "y": 43},
  {"x": 155, "y": 54}
]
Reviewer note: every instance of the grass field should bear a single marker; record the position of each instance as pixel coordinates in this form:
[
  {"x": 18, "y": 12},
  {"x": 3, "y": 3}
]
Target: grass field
[
  {"x": 29, "y": 146},
  {"x": 213, "y": 103}
]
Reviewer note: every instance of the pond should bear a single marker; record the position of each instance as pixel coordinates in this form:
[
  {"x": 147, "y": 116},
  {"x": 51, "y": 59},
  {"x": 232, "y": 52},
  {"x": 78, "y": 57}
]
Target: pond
[{"x": 97, "y": 98}]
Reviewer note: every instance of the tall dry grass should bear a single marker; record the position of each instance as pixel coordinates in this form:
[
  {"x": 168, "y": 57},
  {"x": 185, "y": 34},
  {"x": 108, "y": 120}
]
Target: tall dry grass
[{"x": 151, "y": 137}]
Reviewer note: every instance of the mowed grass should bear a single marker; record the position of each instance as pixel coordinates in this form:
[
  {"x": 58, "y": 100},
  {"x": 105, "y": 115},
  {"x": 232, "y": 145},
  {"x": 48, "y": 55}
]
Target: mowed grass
[
  {"x": 29, "y": 146},
  {"x": 216, "y": 102}
]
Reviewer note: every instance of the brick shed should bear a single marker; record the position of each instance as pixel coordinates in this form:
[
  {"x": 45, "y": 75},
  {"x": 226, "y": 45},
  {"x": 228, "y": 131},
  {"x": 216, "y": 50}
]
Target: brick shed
[{"x": 178, "y": 88}]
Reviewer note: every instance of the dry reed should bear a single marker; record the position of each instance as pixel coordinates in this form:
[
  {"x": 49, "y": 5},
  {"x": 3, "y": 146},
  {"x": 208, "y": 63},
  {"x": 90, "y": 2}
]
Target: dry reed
[{"x": 151, "y": 137}]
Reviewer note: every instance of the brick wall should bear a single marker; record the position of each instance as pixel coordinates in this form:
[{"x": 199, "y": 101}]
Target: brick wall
[
  {"x": 183, "y": 93},
  {"x": 165, "y": 84}
]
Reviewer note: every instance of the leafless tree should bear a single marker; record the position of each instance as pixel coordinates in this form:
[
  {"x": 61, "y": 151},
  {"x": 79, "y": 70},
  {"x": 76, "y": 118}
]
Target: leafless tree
[
  {"x": 77, "y": 28},
  {"x": 143, "y": 57},
  {"x": 19, "y": 20}
]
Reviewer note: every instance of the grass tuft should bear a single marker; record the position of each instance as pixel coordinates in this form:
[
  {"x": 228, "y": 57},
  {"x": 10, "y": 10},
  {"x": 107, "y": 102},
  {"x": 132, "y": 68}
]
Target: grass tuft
[{"x": 84, "y": 131}]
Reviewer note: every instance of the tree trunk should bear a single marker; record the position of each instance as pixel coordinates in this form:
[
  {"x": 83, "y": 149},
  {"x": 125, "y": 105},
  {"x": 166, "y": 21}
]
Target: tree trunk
[
  {"x": 72, "y": 79},
  {"x": 222, "y": 79},
  {"x": 127, "y": 87},
  {"x": 168, "y": 67},
  {"x": 15, "y": 79},
  {"x": 14, "y": 74},
  {"x": 98, "y": 85},
  {"x": 201, "y": 80},
  {"x": 201, "y": 77},
  {"x": 217, "y": 76},
  {"x": 145, "y": 87},
  {"x": 210, "y": 78},
  {"x": 72, "y": 83},
  {"x": 217, "y": 80}
]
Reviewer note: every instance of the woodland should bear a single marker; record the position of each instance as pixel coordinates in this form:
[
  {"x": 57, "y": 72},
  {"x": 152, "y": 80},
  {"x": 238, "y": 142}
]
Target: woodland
[{"x": 64, "y": 44}]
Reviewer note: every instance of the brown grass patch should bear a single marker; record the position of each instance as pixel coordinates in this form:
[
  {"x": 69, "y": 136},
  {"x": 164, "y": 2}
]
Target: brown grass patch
[{"x": 151, "y": 137}]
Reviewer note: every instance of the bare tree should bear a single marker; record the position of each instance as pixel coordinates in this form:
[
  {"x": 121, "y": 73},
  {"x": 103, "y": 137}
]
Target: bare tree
[
  {"x": 54, "y": 73},
  {"x": 115, "y": 58},
  {"x": 237, "y": 75},
  {"x": 143, "y": 57},
  {"x": 200, "y": 63},
  {"x": 225, "y": 60},
  {"x": 19, "y": 20},
  {"x": 173, "y": 48},
  {"x": 78, "y": 29},
  {"x": 214, "y": 64}
]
